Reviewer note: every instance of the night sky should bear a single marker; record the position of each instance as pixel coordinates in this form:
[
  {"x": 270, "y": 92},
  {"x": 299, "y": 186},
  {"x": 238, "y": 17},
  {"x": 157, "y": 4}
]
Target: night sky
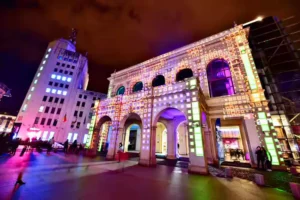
[{"x": 115, "y": 33}]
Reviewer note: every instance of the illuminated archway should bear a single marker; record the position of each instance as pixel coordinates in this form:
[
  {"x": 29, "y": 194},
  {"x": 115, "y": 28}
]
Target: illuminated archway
[
  {"x": 102, "y": 133},
  {"x": 161, "y": 139},
  {"x": 219, "y": 78}
]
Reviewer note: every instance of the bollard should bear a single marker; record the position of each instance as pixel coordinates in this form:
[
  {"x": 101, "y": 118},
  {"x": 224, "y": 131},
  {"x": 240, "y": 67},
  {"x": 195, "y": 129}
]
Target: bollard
[
  {"x": 259, "y": 179},
  {"x": 295, "y": 187},
  {"x": 228, "y": 172}
]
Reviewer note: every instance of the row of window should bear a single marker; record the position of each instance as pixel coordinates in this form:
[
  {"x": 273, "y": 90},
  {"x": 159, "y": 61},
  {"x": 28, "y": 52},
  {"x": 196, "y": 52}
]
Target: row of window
[
  {"x": 59, "y": 77},
  {"x": 43, "y": 121},
  {"x": 62, "y": 71},
  {"x": 61, "y": 85},
  {"x": 76, "y": 113},
  {"x": 82, "y": 104},
  {"x": 47, "y": 109},
  {"x": 56, "y": 91},
  {"x": 56, "y": 99},
  {"x": 218, "y": 76},
  {"x": 77, "y": 125},
  {"x": 73, "y": 136},
  {"x": 64, "y": 65}
]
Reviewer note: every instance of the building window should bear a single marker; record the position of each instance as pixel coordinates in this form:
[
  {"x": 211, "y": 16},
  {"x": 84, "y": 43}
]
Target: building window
[
  {"x": 50, "y": 83},
  {"x": 219, "y": 78},
  {"x": 36, "y": 121},
  {"x": 56, "y": 100},
  {"x": 75, "y": 136},
  {"x": 183, "y": 74},
  {"x": 83, "y": 104},
  {"x": 158, "y": 81},
  {"x": 61, "y": 71},
  {"x": 58, "y": 111},
  {"x": 137, "y": 87},
  {"x": 45, "y": 135},
  {"x": 75, "y": 113},
  {"x": 41, "y": 109},
  {"x": 69, "y": 137},
  {"x": 51, "y": 135},
  {"x": 92, "y": 106},
  {"x": 45, "y": 98},
  {"x": 66, "y": 86},
  {"x": 84, "y": 96},
  {"x": 32, "y": 89},
  {"x": 78, "y": 125},
  {"x": 94, "y": 98},
  {"x": 80, "y": 96},
  {"x": 73, "y": 67},
  {"x": 47, "y": 109},
  {"x": 58, "y": 63},
  {"x": 71, "y": 73},
  {"x": 29, "y": 97},
  {"x": 69, "y": 79},
  {"x": 78, "y": 103},
  {"x": 80, "y": 114},
  {"x": 55, "y": 122},
  {"x": 48, "y": 90},
  {"x": 68, "y": 66},
  {"x": 62, "y": 101},
  {"x": 52, "y": 110},
  {"x": 61, "y": 85},
  {"x": 50, "y": 99},
  {"x": 85, "y": 138},
  {"x": 55, "y": 69},
  {"x": 49, "y": 122},
  {"x": 66, "y": 72},
  {"x": 63, "y": 64},
  {"x": 121, "y": 90},
  {"x": 64, "y": 93},
  {"x": 43, "y": 121},
  {"x": 55, "y": 84}
]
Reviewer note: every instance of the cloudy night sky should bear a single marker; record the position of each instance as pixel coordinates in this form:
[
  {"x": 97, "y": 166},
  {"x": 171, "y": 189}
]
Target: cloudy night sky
[{"x": 115, "y": 33}]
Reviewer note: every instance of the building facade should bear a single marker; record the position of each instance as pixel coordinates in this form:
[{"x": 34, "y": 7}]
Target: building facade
[
  {"x": 57, "y": 103},
  {"x": 203, "y": 102},
  {"x": 4, "y": 91}
]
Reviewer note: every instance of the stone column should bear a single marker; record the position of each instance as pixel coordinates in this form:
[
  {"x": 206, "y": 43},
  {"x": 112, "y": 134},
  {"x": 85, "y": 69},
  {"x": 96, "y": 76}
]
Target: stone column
[
  {"x": 152, "y": 146},
  {"x": 253, "y": 139},
  {"x": 113, "y": 148},
  {"x": 171, "y": 138},
  {"x": 208, "y": 146}
]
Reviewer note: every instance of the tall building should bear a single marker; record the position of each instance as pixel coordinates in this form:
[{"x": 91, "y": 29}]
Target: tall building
[
  {"x": 57, "y": 103},
  {"x": 275, "y": 47},
  {"x": 4, "y": 91},
  {"x": 203, "y": 102}
]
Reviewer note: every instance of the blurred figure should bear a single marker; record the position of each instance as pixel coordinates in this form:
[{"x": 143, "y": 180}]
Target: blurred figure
[
  {"x": 66, "y": 145},
  {"x": 19, "y": 179}
]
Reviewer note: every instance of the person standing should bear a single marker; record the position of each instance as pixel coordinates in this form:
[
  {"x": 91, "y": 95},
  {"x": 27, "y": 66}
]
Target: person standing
[
  {"x": 120, "y": 151},
  {"x": 66, "y": 145},
  {"x": 267, "y": 159},
  {"x": 259, "y": 157}
]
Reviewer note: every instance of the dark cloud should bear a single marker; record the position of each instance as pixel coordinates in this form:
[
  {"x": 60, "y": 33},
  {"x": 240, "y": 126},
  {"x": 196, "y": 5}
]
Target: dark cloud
[{"x": 116, "y": 33}]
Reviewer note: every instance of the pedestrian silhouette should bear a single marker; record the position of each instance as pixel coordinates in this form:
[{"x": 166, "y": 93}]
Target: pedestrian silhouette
[{"x": 19, "y": 180}]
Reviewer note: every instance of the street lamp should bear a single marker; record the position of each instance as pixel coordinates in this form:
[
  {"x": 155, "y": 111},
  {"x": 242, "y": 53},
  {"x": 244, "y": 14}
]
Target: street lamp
[{"x": 258, "y": 19}]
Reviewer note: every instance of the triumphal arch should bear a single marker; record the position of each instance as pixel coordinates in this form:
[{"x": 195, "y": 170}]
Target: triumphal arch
[{"x": 203, "y": 103}]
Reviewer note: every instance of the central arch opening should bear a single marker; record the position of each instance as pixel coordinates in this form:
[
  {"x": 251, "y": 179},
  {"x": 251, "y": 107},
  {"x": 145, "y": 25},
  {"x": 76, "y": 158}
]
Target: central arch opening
[
  {"x": 171, "y": 136},
  {"x": 103, "y": 138},
  {"x": 132, "y": 136}
]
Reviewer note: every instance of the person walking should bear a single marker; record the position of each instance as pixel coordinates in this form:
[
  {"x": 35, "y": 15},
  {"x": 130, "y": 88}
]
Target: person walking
[
  {"x": 268, "y": 160},
  {"x": 66, "y": 145},
  {"x": 50, "y": 144},
  {"x": 259, "y": 157},
  {"x": 19, "y": 179}
]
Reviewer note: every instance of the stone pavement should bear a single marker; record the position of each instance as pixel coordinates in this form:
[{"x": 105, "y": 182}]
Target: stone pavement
[{"x": 73, "y": 177}]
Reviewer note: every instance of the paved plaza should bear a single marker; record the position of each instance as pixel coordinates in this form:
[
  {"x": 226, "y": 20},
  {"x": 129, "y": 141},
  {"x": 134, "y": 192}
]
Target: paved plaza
[{"x": 58, "y": 176}]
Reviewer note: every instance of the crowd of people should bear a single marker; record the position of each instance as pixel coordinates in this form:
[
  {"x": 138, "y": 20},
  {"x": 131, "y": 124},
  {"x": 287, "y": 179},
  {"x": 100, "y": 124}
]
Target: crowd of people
[
  {"x": 10, "y": 145},
  {"x": 264, "y": 159}
]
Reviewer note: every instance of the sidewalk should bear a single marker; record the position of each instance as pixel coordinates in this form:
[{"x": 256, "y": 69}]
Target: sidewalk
[{"x": 275, "y": 179}]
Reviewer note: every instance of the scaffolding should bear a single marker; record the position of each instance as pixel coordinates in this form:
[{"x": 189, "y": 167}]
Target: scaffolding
[{"x": 275, "y": 46}]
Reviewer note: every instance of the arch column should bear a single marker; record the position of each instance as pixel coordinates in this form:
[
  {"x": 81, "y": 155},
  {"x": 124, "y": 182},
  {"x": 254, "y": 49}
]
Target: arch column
[
  {"x": 171, "y": 140},
  {"x": 113, "y": 148}
]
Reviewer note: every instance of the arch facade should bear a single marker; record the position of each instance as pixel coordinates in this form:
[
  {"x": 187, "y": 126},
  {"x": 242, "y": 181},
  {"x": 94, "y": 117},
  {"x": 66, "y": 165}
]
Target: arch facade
[{"x": 245, "y": 106}]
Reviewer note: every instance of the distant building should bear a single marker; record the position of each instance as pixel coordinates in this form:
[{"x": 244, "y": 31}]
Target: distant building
[
  {"x": 57, "y": 103},
  {"x": 6, "y": 123},
  {"x": 4, "y": 91}
]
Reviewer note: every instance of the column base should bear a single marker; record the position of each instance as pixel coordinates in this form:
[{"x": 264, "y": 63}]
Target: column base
[
  {"x": 193, "y": 169},
  {"x": 147, "y": 163},
  {"x": 171, "y": 157},
  {"x": 110, "y": 157}
]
